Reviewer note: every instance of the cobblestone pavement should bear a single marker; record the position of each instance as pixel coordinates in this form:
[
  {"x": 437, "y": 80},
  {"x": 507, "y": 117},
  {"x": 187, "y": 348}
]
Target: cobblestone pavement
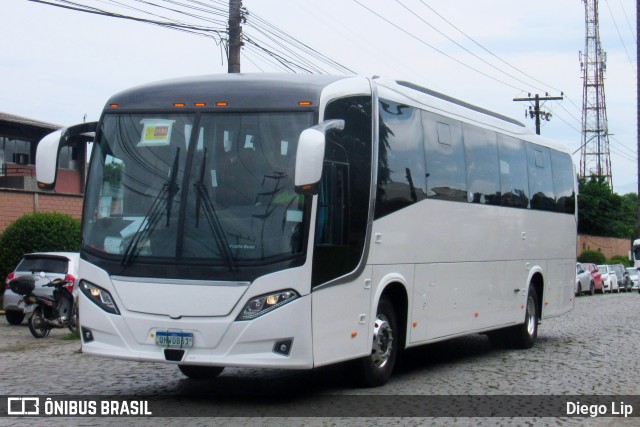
[{"x": 593, "y": 350}]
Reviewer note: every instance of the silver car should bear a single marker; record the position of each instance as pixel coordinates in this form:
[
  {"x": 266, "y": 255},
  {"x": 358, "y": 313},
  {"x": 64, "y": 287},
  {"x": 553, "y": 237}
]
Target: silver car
[
  {"x": 584, "y": 281},
  {"x": 44, "y": 267}
]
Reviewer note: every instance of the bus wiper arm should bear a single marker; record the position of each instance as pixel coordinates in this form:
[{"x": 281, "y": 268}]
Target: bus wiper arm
[
  {"x": 172, "y": 186},
  {"x": 147, "y": 226},
  {"x": 151, "y": 219},
  {"x": 203, "y": 200}
]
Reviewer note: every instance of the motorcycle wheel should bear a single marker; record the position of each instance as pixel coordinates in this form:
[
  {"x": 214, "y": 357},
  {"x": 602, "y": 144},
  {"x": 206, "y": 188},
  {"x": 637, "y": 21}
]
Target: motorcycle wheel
[
  {"x": 37, "y": 324},
  {"x": 74, "y": 325}
]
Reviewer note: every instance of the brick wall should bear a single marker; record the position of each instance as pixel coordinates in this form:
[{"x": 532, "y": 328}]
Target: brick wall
[
  {"x": 15, "y": 203},
  {"x": 609, "y": 246}
]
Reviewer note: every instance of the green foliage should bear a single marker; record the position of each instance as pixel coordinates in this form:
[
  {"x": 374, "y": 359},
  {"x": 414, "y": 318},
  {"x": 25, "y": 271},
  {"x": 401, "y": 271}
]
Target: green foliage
[
  {"x": 593, "y": 257},
  {"x": 619, "y": 259},
  {"x": 601, "y": 212},
  {"x": 37, "y": 232}
]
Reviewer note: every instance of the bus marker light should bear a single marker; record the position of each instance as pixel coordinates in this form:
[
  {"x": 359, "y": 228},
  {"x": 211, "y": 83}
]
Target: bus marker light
[
  {"x": 199, "y": 104},
  {"x": 305, "y": 103},
  {"x": 415, "y": 324},
  {"x": 113, "y": 105},
  {"x": 222, "y": 104},
  {"x": 546, "y": 303},
  {"x": 522, "y": 307},
  {"x": 179, "y": 104},
  {"x": 354, "y": 334},
  {"x": 476, "y": 314}
]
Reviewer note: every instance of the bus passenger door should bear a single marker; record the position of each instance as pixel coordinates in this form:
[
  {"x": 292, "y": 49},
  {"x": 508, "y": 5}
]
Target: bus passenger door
[{"x": 340, "y": 306}]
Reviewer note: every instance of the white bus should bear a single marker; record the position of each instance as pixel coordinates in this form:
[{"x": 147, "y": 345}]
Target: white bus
[
  {"x": 634, "y": 254},
  {"x": 295, "y": 221}
]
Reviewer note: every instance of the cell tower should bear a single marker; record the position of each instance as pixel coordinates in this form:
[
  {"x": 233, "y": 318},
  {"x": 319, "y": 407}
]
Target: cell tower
[{"x": 594, "y": 156}]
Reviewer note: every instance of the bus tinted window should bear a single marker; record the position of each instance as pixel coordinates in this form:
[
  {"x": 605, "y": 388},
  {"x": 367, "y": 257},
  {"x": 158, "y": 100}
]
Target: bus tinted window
[
  {"x": 401, "y": 158},
  {"x": 563, "y": 182},
  {"x": 540, "y": 178},
  {"x": 446, "y": 176},
  {"x": 343, "y": 201},
  {"x": 514, "y": 180},
  {"x": 483, "y": 172}
]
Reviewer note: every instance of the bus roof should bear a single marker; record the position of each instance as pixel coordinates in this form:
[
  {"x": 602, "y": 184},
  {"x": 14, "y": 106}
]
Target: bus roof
[{"x": 253, "y": 91}]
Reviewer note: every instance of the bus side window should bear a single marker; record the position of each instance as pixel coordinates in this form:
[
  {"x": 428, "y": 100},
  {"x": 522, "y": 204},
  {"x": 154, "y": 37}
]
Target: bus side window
[
  {"x": 444, "y": 152},
  {"x": 514, "y": 180},
  {"x": 401, "y": 168},
  {"x": 540, "y": 178},
  {"x": 483, "y": 170},
  {"x": 333, "y": 205},
  {"x": 563, "y": 182}
]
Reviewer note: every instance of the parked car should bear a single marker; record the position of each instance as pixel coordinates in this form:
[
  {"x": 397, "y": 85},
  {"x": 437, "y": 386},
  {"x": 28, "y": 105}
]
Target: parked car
[
  {"x": 44, "y": 267},
  {"x": 584, "y": 281},
  {"x": 633, "y": 275},
  {"x": 609, "y": 277},
  {"x": 624, "y": 282},
  {"x": 598, "y": 282}
]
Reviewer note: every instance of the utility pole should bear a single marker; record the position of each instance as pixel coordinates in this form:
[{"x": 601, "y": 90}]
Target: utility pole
[
  {"x": 535, "y": 112},
  {"x": 235, "y": 35},
  {"x": 638, "y": 106}
]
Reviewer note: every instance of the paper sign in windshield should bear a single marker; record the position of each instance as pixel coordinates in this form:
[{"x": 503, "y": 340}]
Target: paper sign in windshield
[{"x": 155, "y": 132}]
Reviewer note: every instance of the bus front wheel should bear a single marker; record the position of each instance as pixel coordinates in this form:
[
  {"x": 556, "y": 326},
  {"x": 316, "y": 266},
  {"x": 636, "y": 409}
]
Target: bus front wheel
[{"x": 376, "y": 369}]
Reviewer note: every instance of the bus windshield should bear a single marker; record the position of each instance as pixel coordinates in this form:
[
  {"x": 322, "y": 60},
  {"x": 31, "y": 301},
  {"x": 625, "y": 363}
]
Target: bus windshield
[{"x": 223, "y": 194}]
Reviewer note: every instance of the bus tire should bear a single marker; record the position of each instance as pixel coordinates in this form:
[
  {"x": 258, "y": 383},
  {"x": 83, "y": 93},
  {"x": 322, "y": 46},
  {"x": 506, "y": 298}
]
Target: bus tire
[
  {"x": 524, "y": 336},
  {"x": 201, "y": 372},
  {"x": 376, "y": 369}
]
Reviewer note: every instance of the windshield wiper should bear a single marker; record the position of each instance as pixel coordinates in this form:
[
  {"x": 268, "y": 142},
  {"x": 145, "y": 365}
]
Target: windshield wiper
[
  {"x": 203, "y": 200},
  {"x": 171, "y": 185},
  {"x": 151, "y": 219}
]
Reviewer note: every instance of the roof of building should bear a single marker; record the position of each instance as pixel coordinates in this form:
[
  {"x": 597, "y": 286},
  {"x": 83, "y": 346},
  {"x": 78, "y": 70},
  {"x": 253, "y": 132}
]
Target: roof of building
[{"x": 11, "y": 118}]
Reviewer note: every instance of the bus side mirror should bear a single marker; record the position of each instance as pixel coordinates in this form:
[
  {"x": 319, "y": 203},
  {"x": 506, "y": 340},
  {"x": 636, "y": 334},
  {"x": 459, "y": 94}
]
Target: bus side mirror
[
  {"x": 310, "y": 156},
  {"x": 49, "y": 149}
]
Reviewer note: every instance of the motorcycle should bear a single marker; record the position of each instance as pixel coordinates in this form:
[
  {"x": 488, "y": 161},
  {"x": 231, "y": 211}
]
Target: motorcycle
[{"x": 47, "y": 312}]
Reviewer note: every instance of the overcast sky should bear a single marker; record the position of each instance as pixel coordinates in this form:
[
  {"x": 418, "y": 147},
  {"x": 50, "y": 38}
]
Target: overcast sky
[{"x": 58, "y": 65}]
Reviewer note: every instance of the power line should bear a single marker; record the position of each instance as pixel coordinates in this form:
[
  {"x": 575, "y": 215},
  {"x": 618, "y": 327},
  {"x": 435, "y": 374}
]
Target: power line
[
  {"x": 436, "y": 49},
  {"x": 197, "y": 30},
  {"x": 615, "y": 24}
]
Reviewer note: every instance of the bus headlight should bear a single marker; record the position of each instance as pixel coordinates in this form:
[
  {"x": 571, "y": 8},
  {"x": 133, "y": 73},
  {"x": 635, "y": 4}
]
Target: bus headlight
[
  {"x": 101, "y": 297},
  {"x": 262, "y": 304}
]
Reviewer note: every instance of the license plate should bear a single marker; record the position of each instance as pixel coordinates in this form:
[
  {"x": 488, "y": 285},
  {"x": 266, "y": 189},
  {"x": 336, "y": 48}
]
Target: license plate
[
  {"x": 174, "y": 339},
  {"x": 28, "y": 309}
]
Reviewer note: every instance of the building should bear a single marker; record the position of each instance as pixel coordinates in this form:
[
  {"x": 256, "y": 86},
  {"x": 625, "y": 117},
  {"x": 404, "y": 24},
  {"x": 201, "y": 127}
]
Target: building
[{"x": 19, "y": 194}]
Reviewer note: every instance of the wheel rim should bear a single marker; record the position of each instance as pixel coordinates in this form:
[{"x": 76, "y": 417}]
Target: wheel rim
[
  {"x": 382, "y": 342},
  {"x": 531, "y": 316},
  {"x": 38, "y": 322}
]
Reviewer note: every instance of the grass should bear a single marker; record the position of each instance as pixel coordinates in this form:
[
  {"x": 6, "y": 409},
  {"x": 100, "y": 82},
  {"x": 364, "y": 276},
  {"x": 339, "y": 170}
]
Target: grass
[{"x": 71, "y": 336}]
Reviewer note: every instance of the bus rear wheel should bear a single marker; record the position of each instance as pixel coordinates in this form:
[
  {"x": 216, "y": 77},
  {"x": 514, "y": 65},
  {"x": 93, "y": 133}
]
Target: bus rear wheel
[
  {"x": 524, "y": 336},
  {"x": 201, "y": 372},
  {"x": 376, "y": 369}
]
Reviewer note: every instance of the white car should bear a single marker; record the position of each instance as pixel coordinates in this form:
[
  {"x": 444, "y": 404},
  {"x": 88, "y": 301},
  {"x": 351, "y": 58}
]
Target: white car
[{"x": 610, "y": 279}]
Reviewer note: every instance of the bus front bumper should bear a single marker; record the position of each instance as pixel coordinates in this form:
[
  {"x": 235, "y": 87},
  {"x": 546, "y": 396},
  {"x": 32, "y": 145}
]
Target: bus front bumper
[{"x": 278, "y": 339}]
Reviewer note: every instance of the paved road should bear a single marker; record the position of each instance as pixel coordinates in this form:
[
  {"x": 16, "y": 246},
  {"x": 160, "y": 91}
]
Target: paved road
[{"x": 594, "y": 350}]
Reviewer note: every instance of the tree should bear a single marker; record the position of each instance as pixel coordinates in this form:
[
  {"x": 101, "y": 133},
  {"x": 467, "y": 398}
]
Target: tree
[
  {"x": 601, "y": 212},
  {"x": 37, "y": 232}
]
